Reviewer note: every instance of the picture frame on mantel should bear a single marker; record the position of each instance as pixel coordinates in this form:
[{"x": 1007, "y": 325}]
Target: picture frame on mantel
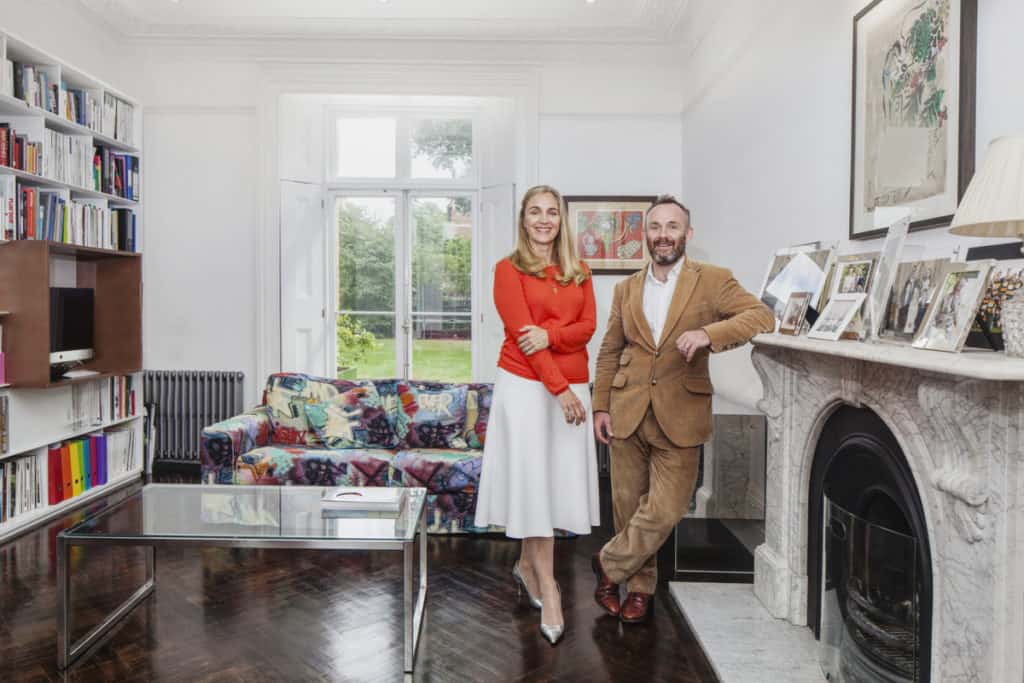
[
  {"x": 913, "y": 110},
  {"x": 609, "y": 231}
]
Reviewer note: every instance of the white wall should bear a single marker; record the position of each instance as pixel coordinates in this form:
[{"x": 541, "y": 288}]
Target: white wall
[
  {"x": 596, "y": 105},
  {"x": 69, "y": 32},
  {"x": 766, "y": 137},
  {"x": 595, "y": 154},
  {"x": 201, "y": 216}
]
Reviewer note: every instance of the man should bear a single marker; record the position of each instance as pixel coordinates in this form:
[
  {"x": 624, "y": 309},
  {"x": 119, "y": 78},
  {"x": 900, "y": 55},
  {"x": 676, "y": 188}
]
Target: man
[{"x": 652, "y": 397}]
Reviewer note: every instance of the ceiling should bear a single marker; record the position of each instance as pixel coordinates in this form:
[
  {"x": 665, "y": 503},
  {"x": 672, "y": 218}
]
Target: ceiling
[{"x": 603, "y": 21}]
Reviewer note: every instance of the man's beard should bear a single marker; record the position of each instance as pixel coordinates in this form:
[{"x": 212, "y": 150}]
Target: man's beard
[{"x": 666, "y": 259}]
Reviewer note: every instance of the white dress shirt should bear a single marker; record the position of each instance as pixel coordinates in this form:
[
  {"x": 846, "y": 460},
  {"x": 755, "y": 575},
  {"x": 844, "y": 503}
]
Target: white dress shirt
[{"x": 658, "y": 297}]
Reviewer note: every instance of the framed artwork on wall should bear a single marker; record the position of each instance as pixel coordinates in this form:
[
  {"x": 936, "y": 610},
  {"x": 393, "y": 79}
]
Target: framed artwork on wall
[
  {"x": 913, "y": 110},
  {"x": 609, "y": 232}
]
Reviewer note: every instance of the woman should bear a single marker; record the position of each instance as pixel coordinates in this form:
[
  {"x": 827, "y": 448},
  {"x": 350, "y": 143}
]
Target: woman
[{"x": 540, "y": 462}]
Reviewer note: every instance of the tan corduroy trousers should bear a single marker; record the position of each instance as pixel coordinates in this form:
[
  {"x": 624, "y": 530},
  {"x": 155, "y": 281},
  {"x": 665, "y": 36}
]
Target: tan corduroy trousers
[{"x": 652, "y": 483}]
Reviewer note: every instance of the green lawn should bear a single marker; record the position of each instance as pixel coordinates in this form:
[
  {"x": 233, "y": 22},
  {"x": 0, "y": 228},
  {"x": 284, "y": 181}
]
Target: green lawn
[{"x": 441, "y": 359}]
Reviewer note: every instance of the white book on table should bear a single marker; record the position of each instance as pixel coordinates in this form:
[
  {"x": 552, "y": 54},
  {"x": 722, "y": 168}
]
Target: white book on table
[{"x": 364, "y": 498}]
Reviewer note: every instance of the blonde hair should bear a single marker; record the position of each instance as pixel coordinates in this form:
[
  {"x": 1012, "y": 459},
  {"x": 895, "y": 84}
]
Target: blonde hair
[{"x": 526, "y": 261}]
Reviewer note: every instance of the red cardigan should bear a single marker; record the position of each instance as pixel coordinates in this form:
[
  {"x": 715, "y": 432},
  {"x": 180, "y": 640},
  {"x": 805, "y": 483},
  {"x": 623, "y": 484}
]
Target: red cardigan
[{"x": 567, "y": 312}]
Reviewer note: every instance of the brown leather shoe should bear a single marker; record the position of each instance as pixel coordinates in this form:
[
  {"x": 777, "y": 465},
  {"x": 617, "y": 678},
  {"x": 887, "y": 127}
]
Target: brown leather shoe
[
  {"x": 607, "y": 593},
  {"x": 636, "y": 608}
]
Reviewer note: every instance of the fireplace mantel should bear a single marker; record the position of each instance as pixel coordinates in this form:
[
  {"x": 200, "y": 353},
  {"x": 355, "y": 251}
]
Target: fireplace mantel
[
  {"x": 974, "y": 363},
  {"x": 959, "y": 419}
]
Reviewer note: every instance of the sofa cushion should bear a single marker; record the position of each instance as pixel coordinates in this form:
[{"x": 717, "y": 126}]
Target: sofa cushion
[
  {"x": 478, "y": 411},
  {"x": 437, "y": 470},
  {"x": 431, "y": 417},
  {"x": 285, "y": 396},
  {"x": 353, "y": 419},
  {"x": 278, "y": 465}
]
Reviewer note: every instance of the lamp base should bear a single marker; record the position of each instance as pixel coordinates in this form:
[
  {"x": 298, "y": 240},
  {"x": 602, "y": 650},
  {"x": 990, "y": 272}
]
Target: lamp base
[{"x": 1013, "y": 324}]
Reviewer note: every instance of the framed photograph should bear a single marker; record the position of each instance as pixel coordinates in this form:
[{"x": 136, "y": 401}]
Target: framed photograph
[
  {"x": 836, "y": 317},
  {"x": 951, "y": 313},
  {"x": 793, "y": 316},
  {"x": 1006, "y": 278},
  {"x": 609, "y": 232},
  {"x": 912, "y": 292},
  {"x": 913, "y": 110},
  {"x": 849, "y": 274},
  {"x": 796, "y": 269}
]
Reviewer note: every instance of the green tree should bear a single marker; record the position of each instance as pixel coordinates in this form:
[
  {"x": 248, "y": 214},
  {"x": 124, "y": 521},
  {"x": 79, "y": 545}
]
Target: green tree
[
  {"x": 354, "y": 342},
  {"x": 366, "y": 265},
  {"x": 447, "y": 142}
]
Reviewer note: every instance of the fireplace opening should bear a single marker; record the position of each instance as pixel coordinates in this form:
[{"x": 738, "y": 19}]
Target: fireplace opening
[{"x": 869, "y": 572}]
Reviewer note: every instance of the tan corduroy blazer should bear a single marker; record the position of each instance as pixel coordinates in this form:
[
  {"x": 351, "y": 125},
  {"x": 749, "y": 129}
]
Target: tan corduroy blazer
[{"x": 635, "y": 371}]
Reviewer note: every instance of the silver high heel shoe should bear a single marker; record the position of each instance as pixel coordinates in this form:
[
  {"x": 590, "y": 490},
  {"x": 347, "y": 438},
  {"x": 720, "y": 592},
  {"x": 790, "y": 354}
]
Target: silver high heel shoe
[
  {"x": 522, "y": 587},
  {"x": 553, "y": 634}
]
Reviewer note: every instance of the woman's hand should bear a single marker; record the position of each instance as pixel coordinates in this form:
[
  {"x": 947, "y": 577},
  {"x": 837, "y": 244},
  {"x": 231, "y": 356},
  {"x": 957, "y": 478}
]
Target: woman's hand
[
  {"x": 532, "y": 339},
  {"x": 572, "y": 407}
]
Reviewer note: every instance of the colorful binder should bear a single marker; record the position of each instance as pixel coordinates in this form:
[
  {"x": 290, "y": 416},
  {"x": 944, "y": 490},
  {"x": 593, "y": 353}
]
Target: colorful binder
[{"x": 54, "y": 486}]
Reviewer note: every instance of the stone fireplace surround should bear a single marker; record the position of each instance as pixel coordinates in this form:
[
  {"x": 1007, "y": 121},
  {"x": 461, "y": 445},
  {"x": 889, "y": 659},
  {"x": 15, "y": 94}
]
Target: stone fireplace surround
[{"x": 959, "y": 420}]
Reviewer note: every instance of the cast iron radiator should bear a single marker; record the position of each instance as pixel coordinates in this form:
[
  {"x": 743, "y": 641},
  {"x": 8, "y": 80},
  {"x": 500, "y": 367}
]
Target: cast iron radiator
[{"x": 183, "y": 403}]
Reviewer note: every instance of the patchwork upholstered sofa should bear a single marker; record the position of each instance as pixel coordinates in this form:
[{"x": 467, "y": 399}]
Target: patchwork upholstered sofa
[{"x": 316, "y": 431}]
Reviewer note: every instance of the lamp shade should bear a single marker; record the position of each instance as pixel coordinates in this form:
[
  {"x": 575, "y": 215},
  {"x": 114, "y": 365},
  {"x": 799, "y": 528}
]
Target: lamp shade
[{"x": 993, "y": 205}]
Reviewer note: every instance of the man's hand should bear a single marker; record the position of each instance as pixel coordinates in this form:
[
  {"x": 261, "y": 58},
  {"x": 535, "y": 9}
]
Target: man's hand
[
  {"x": 689, "y": 342},
  {"x": 603, "y": 426},
  {"x": 532, "y": 339}
]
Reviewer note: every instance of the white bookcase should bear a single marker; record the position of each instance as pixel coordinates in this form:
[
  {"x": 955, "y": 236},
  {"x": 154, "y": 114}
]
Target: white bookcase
[{"x": 40, "y": 417}]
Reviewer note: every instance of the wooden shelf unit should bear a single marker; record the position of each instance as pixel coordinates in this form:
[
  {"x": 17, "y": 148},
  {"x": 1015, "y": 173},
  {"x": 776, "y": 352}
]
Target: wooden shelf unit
[
  {"x": 25, "y": 277},
  {"x": 28, "y": 269}
]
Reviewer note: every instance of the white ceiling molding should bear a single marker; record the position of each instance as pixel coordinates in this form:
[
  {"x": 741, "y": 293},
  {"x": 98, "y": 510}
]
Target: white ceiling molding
[
  {"x": 606, "y": 21},
  {"x": 717, "y": 34}
]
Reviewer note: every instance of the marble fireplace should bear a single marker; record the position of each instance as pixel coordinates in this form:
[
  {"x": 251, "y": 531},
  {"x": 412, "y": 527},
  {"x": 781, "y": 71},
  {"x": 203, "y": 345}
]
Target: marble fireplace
[{"x": 940, "y": 436}]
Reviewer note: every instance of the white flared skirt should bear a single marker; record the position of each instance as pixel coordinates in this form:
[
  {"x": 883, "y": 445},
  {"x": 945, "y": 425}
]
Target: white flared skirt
[{"x": 539, "y": 472}]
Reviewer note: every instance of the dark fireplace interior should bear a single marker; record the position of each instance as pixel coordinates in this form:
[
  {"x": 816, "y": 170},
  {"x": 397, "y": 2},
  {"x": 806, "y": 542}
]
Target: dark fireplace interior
[{"x": 868, "y": 545}]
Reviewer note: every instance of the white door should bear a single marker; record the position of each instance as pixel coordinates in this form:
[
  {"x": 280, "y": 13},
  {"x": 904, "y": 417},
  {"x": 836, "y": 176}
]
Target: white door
[
  {"x": 497, "y": 238},
  {"x": 303, "y": 280}
]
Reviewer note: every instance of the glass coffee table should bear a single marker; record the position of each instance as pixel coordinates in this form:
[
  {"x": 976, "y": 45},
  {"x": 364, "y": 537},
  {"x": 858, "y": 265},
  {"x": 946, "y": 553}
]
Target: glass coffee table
[{"x": 239, "y": 517}]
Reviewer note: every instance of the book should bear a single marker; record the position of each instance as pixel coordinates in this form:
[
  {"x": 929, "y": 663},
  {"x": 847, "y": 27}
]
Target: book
[
  {"x": 363, "y": 499},
  {"x": 4, "y": 426}
]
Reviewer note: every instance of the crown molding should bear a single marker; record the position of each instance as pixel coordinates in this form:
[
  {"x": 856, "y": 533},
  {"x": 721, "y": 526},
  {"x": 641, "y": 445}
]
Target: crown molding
[{"x": 653, "y": 22}]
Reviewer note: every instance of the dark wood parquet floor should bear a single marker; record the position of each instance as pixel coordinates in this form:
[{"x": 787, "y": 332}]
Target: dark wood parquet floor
[{"x": 262, "y": 615}]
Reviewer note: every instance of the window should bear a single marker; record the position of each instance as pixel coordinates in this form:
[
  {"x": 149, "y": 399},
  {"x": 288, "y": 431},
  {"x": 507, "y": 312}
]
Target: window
[
  {"x": 404, "y": 212},
  {"x": 404, "y": 147},
  {"x": 366, "y": 148}
]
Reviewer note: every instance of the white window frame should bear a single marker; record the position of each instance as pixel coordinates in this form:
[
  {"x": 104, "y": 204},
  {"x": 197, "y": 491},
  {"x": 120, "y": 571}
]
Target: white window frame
[
  {"x": 403, "y": 268},
  {"x": 403, "y": 179},
  {"x": 404, "y": 189}
]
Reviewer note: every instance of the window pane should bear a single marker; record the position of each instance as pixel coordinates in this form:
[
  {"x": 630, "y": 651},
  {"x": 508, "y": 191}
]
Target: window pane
[
  {"x": 366, "y": 253},
  {"x": 366, "y": 346},
  {"x": 441, "y": 283},
  {"x": 366, "y": 148},
  {"x": 366, "y": 287},
  {"x": 441, "y": 348},
  {"x": 442, "y": 148}
]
